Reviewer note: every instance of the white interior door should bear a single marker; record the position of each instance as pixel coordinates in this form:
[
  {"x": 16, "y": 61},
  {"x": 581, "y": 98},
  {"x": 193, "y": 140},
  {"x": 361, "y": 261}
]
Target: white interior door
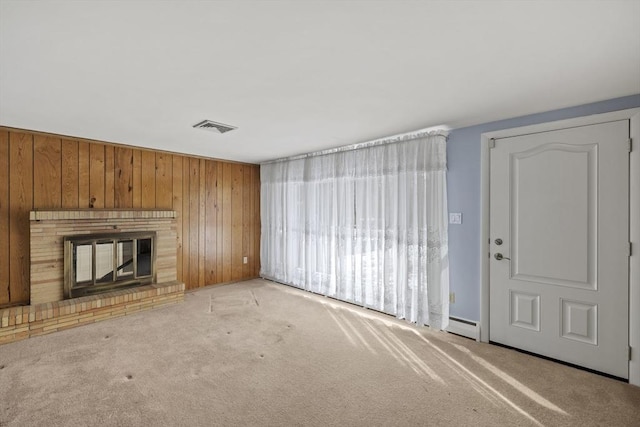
[{"x": 559, "y": 217}]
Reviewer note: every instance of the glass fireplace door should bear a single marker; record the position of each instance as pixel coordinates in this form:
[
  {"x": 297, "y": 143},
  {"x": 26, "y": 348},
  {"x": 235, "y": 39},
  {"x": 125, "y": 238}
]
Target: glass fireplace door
[{"x": 96, "y": 263}]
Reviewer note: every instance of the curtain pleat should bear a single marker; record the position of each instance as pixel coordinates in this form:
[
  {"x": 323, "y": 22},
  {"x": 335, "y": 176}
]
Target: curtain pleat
[{"x": 367, "y": 226}]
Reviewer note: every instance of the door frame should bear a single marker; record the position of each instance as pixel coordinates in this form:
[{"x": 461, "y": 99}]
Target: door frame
[{"x": 633, "y": 115}]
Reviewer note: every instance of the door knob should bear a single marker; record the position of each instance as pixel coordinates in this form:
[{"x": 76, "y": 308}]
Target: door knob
[{"x": 500, "y": 257}]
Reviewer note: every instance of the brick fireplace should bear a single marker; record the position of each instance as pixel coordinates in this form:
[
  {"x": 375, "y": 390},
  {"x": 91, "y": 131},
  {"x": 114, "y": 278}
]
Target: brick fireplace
[
  {"x": 49, "y": 311},
  {"x": 49, "y": 228}
]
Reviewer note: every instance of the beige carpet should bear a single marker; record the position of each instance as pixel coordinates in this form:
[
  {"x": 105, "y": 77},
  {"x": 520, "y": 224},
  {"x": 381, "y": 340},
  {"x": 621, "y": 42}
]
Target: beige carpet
[{"x": 258, "y": 353}]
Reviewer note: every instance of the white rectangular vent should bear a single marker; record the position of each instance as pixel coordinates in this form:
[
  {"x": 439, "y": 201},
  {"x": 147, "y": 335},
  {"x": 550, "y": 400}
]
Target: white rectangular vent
[{"x": 213, "y": 126}]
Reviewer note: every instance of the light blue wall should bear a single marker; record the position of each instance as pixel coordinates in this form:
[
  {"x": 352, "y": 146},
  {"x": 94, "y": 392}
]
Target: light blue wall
[{"x": 463, "y": 159}]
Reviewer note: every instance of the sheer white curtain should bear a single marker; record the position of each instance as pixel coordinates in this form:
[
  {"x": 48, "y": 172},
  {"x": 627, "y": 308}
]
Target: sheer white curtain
[{"x": 368, "y": 226}]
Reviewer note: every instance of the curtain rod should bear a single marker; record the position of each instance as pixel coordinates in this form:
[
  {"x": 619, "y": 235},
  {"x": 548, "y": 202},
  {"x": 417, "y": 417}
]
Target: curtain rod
[{"x": 360, "y": 145}]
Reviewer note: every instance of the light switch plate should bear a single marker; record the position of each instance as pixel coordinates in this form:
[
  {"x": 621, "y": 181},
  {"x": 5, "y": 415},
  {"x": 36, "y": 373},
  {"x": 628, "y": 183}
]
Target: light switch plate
[{"x": 455, "y": 218}]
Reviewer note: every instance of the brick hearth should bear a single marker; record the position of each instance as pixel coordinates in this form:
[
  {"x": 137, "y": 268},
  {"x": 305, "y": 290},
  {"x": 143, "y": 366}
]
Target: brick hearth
[{"x": 18, "y": 323}]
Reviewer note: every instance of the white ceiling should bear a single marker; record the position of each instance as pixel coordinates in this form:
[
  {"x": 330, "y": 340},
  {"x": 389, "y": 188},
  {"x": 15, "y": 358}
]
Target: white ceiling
[{"x": 299, "y": 76}]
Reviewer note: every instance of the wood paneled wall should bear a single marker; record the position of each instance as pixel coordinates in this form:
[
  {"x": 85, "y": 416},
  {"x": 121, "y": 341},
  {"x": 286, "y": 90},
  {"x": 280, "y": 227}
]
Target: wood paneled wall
[{"x": 217, "y": 202}]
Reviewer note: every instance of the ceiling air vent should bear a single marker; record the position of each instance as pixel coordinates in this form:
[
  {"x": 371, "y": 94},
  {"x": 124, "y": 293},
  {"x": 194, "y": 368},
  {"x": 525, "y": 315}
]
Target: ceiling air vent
[{"x": 213, "y": 126}]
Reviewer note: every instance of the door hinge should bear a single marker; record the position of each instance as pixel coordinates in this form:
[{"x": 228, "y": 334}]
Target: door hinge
[
  {"x": 630, "y": 251},
  {"x": 492, "y": 143},
  {"x": 630, "y": 352},
  {"x": 630, "y": 142}
]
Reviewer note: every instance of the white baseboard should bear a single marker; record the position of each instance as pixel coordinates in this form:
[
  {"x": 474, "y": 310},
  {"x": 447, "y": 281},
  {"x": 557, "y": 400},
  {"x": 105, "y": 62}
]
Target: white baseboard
[{"x": 465, "y": 328}]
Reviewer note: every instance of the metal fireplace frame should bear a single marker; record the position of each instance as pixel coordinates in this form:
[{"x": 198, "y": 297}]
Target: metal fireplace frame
[{"x": 74, "y": 290}]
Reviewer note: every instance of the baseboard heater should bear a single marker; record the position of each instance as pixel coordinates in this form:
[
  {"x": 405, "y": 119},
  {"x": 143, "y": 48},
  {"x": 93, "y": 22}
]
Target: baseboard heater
[{"x": 465, "y": 328}]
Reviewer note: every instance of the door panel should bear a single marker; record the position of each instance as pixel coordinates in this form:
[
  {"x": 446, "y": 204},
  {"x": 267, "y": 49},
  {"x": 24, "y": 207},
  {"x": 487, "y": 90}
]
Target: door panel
[
  {"x": 567, "y": 211},
  {"x": 559, "y": 205}
]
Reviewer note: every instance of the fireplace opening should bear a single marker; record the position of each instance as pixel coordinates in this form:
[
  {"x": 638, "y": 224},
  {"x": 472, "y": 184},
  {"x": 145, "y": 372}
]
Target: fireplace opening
[{"x": 101, "y": 262}]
